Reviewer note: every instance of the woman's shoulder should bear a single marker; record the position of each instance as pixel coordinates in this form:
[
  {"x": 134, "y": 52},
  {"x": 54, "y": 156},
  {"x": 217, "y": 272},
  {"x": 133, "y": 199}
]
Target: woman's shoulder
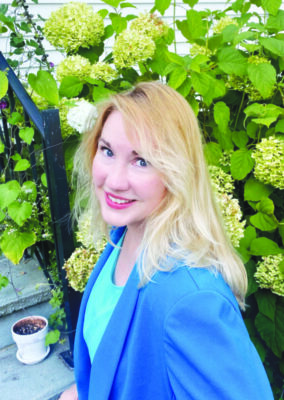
[{"x": 170, "y": 287}]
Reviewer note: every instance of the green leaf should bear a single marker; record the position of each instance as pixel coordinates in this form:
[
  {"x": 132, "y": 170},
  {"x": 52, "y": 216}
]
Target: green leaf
[
  {"x": 213, "y": 153},
  {"x": 255, "y": 190},
  {"x": 127, "y": 5},
  {"x": 4, "y": 281},
  {"x": 252, "y": 128},
  {"x": 101, "y": 93},
  {"x": 177, "y": 77},
  {"x": 112, "y": 3},
  {"x": 184, "y": 28},
  {"x": 2, "y": 147},
  {"x": 266, "y": 302},
  {"x": 14, "y": 243},
  {"x": 52, "y": 337},
  {"x": 119, "y": 23},
  {"x": 22, "y": 165},
  {"x": 162, "y": 5},
  {"x": 230, "y": 33},
  {"x": 241, "y": 163},
  {"x": 240, "y": 138},
  {"x": 266, "y": 113},
  {"x": 249, "y": 235},
  {"x": 264, "y": 247},
  {"x": 70, "y": 87},
  {"x": 252, "y": 284},
  {"x": 263, "y": 222},
  {"x": 281, "y": 230},
  {"x": 224, "y": 138},
  {"x": 191, "y": 3},
  {"x": 45, "y": 85},
  {"x": 231, "y": 61},
  {"x": 272, "y": 332},
  {"x": 185, "y": 87},
  {"x": 9, "y": 192},
  {"x": 43, "y": 179},
  {"x": 274, "y": 45},
  {"x": 15, "y": 118},
  {"x": 4, "y": 83},
  {"x": 209, "y": 87},
  {"x": 263, "y": 77},
  {"x": 276, "y": 23},
  {"x": 280, "y": 126},
  {"x": 27, "y": 134},
  {"x": 272, "y": 6},
  {"x": 29, "y": 190},
  {"x": 266, "y": 206},
  {"x": 221, "y": 115},
  {"x": 20, "y": 212},
  {"x": 196, "y": 27}
]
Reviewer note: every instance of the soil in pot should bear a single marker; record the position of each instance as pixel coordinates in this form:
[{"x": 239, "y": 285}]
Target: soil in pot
[{"x": 29, "y": 326}]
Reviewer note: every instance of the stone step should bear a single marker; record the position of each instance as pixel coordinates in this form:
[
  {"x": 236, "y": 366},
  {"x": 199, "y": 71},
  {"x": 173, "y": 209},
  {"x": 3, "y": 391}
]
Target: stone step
[
  {"x": 28, "y": 286},
  {"x": 42, "y": 381}
]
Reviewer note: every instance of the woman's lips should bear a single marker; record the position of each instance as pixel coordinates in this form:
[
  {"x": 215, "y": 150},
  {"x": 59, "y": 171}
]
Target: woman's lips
[{"x": 117, "y": 202}]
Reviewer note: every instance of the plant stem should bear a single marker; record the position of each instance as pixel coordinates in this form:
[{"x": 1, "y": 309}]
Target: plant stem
[
  {"x": 174, "y": 25},
  {"x": 239, "y": 110}
]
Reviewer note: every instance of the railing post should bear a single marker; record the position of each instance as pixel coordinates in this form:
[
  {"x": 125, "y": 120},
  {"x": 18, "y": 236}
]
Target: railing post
[{"x": 60, "y": 211}]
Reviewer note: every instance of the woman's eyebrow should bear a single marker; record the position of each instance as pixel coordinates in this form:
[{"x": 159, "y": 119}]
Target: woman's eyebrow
[{"x": 105, "y": 142}]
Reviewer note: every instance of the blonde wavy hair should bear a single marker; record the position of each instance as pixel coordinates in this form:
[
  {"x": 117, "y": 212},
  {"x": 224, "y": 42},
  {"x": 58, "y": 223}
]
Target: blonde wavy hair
[{"x": 187, "y": 224}]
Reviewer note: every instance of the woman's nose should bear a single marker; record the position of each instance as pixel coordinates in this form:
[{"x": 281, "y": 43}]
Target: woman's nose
[{"x": 117, "y": 177}]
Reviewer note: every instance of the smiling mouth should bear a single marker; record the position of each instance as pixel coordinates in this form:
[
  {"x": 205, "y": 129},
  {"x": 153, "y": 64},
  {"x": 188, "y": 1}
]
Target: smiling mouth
[{"x": 118, "y": 200}]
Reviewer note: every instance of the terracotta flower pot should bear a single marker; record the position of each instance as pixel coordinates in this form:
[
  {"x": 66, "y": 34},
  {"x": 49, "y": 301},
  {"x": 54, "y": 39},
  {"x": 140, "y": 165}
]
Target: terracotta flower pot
[{"x": 29, "y": 334}]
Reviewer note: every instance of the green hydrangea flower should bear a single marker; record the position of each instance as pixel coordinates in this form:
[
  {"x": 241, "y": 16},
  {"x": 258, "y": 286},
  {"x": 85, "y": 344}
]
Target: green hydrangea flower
[
  {"x": 64, "y": 107},
  {"x": 103, "y": 71},
  {"x": 258, "y": 60},
  {"x": 195, "y": 50},
  {"x": 132, "y": 47},
  {"x": 223, "y": 23},
  {"x": 79, "y": 267},
  {"x": 73, "y": 26},
  {"x": 223, "y": 187},
  {"x": 73, "y": 66},
  {"x": 150, "y": 25},
  {"x": 268, "y": 274},
  {"x": 269, "y": 165}
]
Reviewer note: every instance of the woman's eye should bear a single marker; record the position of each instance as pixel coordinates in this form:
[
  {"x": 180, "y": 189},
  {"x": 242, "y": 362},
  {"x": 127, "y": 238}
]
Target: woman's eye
[
  {"x": 106, "y": 151},
  {"x": 141, "y": 162}
]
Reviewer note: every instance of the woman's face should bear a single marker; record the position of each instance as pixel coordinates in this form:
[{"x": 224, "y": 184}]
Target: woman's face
[{"x": 127, "y": 186}]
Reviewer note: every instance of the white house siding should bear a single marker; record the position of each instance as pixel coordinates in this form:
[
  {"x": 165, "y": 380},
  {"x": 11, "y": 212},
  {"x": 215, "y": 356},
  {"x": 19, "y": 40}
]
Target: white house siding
[{"x": 45, "y": 7}]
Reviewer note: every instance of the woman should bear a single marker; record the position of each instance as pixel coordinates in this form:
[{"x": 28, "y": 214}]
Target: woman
[{"x": 160, "y": 315}]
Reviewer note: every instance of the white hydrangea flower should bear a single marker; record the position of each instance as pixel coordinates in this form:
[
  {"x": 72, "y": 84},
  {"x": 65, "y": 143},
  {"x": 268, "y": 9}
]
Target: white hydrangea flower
[{"x": 83, "y": 116}]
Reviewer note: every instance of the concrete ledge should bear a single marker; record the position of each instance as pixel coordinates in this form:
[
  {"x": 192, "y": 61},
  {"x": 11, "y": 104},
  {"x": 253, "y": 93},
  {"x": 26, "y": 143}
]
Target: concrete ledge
[{"x": 29, "y": 286}]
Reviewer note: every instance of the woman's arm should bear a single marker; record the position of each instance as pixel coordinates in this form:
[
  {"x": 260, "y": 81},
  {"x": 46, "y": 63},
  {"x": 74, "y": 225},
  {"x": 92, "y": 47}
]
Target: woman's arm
[
  {"x": 70, "y": 393},
  {"x": 209, "y": 354}
]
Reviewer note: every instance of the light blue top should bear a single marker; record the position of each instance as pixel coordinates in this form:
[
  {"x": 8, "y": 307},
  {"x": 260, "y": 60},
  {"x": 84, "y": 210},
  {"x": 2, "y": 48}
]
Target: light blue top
[{"x": 103, "y": 299}]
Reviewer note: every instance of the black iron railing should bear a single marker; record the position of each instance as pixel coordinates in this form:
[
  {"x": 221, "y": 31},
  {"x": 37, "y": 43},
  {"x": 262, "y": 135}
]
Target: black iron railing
[{"x": 47, "y": 124}]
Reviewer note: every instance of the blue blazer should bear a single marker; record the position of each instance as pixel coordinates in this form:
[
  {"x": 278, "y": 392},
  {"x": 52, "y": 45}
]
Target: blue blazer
[{"x": 180, "y": 337}]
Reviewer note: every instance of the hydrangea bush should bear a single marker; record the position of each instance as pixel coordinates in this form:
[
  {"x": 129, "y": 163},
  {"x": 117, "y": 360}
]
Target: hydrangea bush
[{"x": 231, "y": 75}]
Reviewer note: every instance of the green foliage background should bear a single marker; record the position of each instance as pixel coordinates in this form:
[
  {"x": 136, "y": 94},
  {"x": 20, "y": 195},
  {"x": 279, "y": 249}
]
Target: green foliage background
[{"x": 233, "y": 79}]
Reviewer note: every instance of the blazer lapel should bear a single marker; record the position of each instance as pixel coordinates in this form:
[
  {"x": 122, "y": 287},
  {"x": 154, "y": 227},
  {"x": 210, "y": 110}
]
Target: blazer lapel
[{"x": 108, "y": 353}]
